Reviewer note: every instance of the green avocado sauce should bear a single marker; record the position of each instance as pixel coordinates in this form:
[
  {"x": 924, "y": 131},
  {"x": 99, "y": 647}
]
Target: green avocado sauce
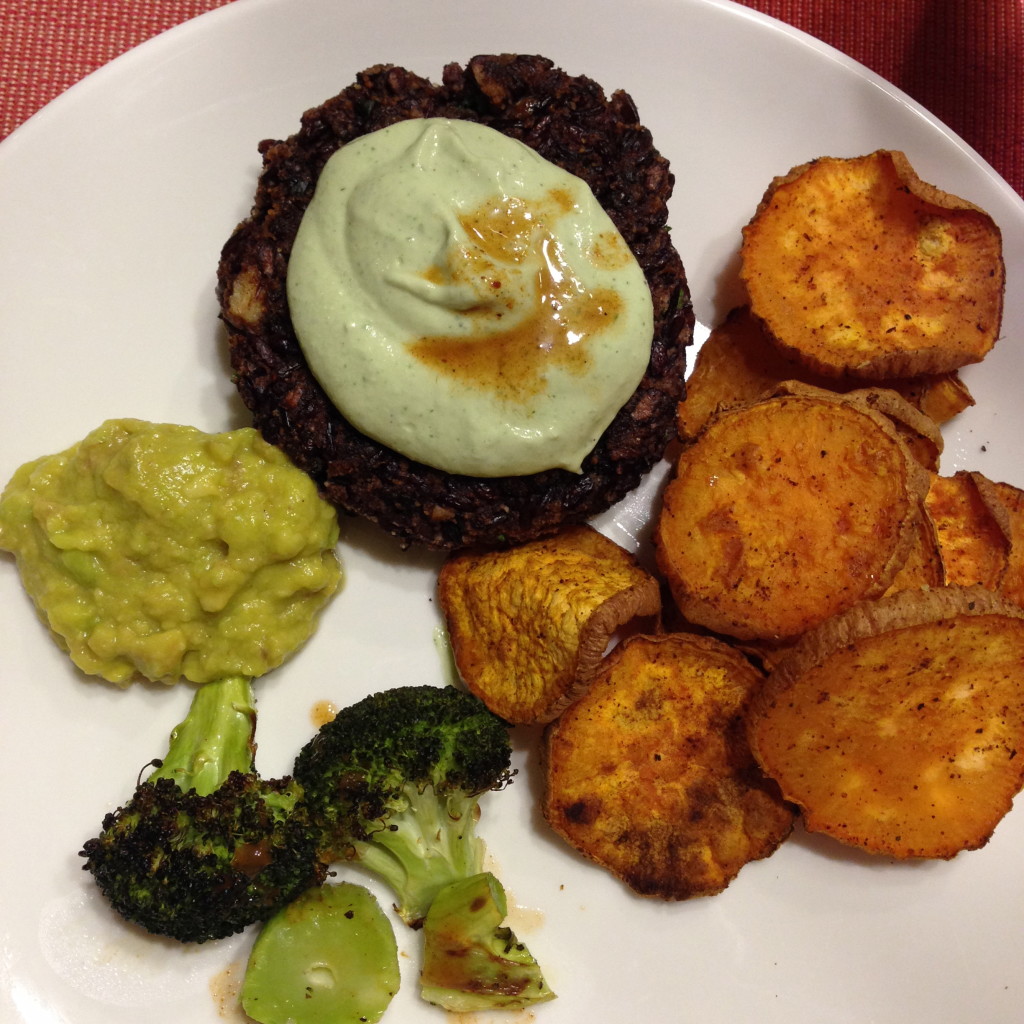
[{"x": 159, "y": 552}]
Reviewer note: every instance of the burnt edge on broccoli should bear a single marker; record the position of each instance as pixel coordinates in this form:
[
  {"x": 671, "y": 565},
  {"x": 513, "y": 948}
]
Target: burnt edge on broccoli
[
  {"x": 199, "y": 865},
  {"x": 190, "y": 893}
]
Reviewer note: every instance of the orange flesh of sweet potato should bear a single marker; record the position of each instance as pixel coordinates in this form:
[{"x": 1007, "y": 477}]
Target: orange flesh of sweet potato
[
  {"x": 901, "y": 739},
  {"x": 529, "y": 625},
  {"x": 649, "y": 774},
  {"x": 857, "y": 266},
  {"x": 972, "y": 541},
  {"x": 739, "y": 363},
  {"x": 785, "y": 512},
  {"x": 940, "y": 397}
]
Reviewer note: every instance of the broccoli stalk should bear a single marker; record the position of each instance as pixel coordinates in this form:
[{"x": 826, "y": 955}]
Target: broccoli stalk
[
  {"x": 216, "y": 738},
  {"x": 329, "y": 957},
  {"x": 205, "y": 847},
  {"x": 470, "y": 960},
  {"x": 395, "y": 782},
  {"x": 429, "y": 841}
]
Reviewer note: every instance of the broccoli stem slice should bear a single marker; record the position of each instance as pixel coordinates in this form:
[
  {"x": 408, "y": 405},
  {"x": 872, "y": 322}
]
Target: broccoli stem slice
[
  {"x": 214, "y": 739},
  {"x": 471, "y": 961},
  {"x": 425, "y": 847},
  {"x": 329, "y": 957}
]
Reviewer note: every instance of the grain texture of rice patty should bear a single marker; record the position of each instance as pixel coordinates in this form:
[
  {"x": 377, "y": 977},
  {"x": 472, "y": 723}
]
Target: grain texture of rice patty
[{"x": 569, "y": 121}]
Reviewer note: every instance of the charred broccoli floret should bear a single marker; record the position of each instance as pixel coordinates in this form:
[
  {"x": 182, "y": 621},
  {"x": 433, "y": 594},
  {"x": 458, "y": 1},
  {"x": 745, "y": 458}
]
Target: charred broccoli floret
[
  {"x": 395, "y": 782},
  {"x": 205, "y": 846}
]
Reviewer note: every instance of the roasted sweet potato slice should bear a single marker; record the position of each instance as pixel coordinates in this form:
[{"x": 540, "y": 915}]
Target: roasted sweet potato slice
[
  {"x": 939, "y": 396},
  {"x": 919, "y": 432},
  {"x": 857, "y": 266},
  {"x": 739, "y": 363},
  {"x": 1007, "y": 501},
  {"x": 649, "y": 774},
  {"x": 922, "y": 568},
  {"x": 973, "y": 534},
  {"x": 530, "y": 624},
  {"x": 786, "y": 512},
  {"x": 897, "y": 726},
  {"x": 923, "y": 565},
  {"x": 736, "y": 365}
]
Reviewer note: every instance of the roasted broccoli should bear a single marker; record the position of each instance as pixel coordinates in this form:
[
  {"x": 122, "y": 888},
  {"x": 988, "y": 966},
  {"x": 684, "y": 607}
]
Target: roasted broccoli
[
  {"x": 395, "y": 781},
  {"x": 471, "y": 960},
  {"x": 205, "y": 846}
]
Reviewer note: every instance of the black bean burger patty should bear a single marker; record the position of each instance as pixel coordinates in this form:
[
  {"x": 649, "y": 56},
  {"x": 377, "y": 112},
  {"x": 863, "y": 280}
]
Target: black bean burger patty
[{"x": 570, "y": 122}]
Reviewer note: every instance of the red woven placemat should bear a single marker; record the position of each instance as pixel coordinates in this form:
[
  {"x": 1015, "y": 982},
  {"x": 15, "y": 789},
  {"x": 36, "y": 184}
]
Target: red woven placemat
[
  {"x": 962, "y": 60},
  {"x": 48, "y": 45}
]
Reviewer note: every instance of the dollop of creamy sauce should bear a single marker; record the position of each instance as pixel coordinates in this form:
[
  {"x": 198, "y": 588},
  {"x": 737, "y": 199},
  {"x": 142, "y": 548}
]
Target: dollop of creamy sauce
[{"x": 466, "y": 302}]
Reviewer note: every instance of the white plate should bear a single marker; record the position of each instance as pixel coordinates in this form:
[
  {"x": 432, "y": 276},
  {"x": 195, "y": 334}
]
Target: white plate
[{"x": 114, "y": 203}]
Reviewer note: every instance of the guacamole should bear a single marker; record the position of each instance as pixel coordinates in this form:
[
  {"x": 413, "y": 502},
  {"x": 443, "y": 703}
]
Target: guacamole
[{"x": 160, "y": 552}]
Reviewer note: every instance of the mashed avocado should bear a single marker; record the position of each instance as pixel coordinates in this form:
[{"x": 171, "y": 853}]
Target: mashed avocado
[{"x": 161, "y": 552}]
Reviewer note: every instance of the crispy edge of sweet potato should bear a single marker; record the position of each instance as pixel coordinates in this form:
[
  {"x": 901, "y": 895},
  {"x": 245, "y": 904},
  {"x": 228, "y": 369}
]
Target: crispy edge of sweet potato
[{"x": 1007, "y": 500}]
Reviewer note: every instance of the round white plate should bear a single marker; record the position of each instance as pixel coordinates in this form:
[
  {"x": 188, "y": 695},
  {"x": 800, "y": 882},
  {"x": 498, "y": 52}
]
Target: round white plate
[{"x": 114, "y": 203}]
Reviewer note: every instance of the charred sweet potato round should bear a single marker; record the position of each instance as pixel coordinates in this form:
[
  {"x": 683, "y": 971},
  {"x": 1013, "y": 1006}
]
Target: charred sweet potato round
[{"x": 650, "y": 775}]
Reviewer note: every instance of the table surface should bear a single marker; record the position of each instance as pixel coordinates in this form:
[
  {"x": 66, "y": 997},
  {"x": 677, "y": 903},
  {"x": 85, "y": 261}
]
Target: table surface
[{"x": 961, "y": 60}]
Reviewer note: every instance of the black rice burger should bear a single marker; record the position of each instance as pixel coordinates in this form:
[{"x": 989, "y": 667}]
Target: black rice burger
[{"x": 439, "y": 478}]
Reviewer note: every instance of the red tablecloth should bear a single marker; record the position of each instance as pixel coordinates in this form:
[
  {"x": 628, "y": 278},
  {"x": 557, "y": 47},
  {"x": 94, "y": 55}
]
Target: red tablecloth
[{"x": 962, "y": 59}]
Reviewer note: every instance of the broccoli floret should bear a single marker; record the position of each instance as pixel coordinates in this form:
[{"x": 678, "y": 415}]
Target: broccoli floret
[
  {"x": 205, "y": 846},
  {"x": 471, "y": 960},
  {"x": 395, "y": 782}
]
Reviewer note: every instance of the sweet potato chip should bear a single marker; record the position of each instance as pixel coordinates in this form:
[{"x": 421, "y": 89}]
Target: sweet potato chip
[
  {"x": 896, "y": 727},
  {"x": 530, "y": 624},
  {"x": 1009, "y": 500},
  {"x": 923, "y": 565},
  {"x": 919, "y": 432},
  {"x": 973, "y": 535},
  {"x": 859, "y": 267},
  {"x": 938, "y": 396},
  {"x": 739, "y": 363},
  {"x": 785, "y": 512},
  {"x": 649, "y": 774}
]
